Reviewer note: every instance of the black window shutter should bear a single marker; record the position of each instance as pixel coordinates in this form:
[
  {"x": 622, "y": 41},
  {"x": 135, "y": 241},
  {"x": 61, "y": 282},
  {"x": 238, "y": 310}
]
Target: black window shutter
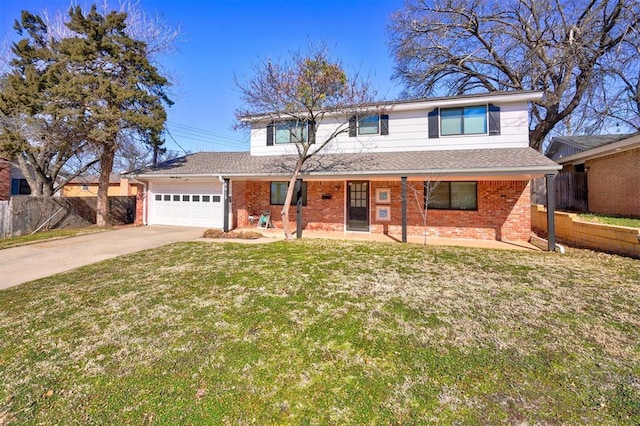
[
  {"x": 434, "y": 128},
  {"x": 384, "y": 124},
  {"x": 311, "y": 127},
  {"x": 494, "y": 120},
  {"x": 270, "y": 134},
  {"x": 352, "y": 126}
]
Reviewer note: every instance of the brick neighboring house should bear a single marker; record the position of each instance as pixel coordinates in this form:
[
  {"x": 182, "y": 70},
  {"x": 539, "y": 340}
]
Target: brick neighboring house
[
  {"x": 476, "y": 148},
  {"x": 87, "y": 186},
  {"x": 611, "y": 165},
  {"x": 5, "y": 179}
]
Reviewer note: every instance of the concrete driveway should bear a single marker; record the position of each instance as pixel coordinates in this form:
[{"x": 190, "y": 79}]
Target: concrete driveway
[{"x": 30, "y": 262}]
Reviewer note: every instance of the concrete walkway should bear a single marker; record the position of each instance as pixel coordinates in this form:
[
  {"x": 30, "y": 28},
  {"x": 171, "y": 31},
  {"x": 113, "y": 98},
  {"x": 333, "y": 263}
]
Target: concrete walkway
[
  {"x": 33, "y": 261},
  {"x": 273, "y": 234}
]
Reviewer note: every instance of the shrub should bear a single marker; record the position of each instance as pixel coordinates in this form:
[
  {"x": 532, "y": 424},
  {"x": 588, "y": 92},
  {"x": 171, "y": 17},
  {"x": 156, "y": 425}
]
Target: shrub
[{"x": 243, "y": 235}]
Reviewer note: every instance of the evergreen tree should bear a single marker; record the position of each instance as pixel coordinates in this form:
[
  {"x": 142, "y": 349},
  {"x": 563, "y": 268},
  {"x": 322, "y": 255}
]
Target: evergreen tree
[
  {"x": 78, "y": 96},
  {"x": 121, "y": 91},
  {"x": 39, "y": 130}
]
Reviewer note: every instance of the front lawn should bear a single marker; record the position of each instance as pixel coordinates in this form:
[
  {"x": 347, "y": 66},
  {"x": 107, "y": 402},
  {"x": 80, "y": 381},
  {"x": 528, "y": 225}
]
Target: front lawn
[
  {"x": 326, "y": 332},
  {"x": 53, "y": 234},
  {"x": 610, "y": 220}
]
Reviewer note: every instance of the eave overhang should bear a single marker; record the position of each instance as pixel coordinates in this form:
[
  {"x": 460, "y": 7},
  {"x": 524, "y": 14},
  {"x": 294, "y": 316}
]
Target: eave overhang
[{"x": 612, "y": 148}]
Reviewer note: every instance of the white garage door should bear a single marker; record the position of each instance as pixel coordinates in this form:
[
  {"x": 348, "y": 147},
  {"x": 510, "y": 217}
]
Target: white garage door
[{"x": 186, "y": 204}]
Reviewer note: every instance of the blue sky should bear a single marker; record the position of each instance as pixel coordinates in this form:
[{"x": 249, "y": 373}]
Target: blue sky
[{"x": 221, "y": 38}]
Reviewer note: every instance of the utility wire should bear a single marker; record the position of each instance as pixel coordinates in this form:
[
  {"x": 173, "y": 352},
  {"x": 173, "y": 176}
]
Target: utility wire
[
  {"x": 209, "y": 133},
  {"x": 175, "y": 141}
]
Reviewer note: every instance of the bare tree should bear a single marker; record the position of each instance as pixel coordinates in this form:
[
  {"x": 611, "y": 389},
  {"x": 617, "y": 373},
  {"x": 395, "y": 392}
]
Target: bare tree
[
  {"x": 621, "y": 83},
  {"x": 559, "y": 47},
  {"x": 132, "y": 155},
  {"x": 423, "y": 195},
  {"x": 299, "y": 95}
]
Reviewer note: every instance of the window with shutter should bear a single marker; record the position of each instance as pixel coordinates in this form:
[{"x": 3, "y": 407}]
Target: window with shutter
[
  {"x": 434, "y": 124},
  {"x": 494, "y": 119}
]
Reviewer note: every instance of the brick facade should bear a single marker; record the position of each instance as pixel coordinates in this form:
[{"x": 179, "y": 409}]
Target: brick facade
[
  {"x": 5, "y": 179},
  {"x": 504, "y": 210},
  {"x": 614, "y": 183},
  {"x": 140, "y": 193}
]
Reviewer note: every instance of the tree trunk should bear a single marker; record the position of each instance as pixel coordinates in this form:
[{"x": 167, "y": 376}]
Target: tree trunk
[
  {"x": 106, "y": 166},
  {"x": 287, "y": 202}
]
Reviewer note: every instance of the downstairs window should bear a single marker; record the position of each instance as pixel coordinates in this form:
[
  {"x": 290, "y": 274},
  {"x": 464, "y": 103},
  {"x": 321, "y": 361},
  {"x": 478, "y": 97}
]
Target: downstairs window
[{"x": 451, "y": 195}]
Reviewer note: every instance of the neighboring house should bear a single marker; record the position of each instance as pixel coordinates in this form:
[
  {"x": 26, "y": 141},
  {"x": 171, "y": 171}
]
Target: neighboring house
[
  {"x": 87, "y": 186},
  {"x": 610, "y": 169},
  {"x": 476, "y": 147},
  {"x": 13, "y": 181},
  {"x": 19, "y": 184},
  {"x": 5, "y": 179}
]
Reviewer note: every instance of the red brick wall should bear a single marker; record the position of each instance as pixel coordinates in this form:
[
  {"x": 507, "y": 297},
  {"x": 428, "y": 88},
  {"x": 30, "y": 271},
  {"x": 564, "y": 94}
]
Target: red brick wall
[
  {"x": 241, "y": 191},
  {"x": 504, "y": 210},
  {"x": 5, "y": 179},
  {"x": 504, "y": 213},
  {"x": 140, "y": 219},
  {"x": 253, "y": 198},
  {"x": 614, "y": 183}
]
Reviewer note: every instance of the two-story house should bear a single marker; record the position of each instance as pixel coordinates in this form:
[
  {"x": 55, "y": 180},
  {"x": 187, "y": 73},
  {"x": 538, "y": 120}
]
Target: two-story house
[{"x": 471, "y": 152}]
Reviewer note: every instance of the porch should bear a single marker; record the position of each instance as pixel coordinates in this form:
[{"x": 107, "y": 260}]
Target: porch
[
  {"x": 277, "y": 234},
  {"x": 496, "y": 209}
]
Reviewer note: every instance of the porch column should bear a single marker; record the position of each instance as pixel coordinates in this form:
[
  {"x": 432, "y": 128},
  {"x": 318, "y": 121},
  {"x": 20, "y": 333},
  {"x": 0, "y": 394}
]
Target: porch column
[
  {"x": 225, "y": 207},
  {"x": 404, "y": 209},
  {"x": 299, "y": 208},
  {"x": 551, "y": 209}
]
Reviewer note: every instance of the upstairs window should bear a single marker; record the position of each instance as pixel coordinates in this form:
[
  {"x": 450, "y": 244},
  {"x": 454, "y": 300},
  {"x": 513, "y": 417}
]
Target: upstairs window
[
  {"x": 285, "y": 132},
  {"x": 369, "y": 125},
  {"x": 377, "y": 124},
  {"x": 470, "y": 120},
  {"x": 279, "y": 194},
  {"x": 452, "y": 195}
]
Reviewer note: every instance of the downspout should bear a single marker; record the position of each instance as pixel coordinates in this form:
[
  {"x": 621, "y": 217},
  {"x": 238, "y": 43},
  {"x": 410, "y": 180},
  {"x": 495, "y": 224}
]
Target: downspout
[
  {"x": 225, "y": 198},
  {"x": 144, "y": 200}
]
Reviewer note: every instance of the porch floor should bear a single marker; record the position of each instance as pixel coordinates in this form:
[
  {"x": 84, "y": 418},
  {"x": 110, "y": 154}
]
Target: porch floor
[{"x": 278, "y": 234}]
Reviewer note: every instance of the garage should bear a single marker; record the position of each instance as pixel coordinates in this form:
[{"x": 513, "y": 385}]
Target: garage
[{"x": 186, "y": 204}]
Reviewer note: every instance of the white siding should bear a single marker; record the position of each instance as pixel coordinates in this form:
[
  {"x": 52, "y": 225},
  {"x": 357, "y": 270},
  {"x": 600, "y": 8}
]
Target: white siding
[{"x": 408, "y": 131}]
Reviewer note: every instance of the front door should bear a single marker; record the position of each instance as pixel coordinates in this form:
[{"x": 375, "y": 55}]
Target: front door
[{"x": 357, "y": 206}]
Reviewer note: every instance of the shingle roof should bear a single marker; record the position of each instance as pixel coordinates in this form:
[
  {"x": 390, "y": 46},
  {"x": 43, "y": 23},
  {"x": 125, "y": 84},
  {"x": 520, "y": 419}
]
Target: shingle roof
[
  {"x": 91, "y": 179},
  {"x": 583, "y": 143},
  {"x": 390, "y": 163}
]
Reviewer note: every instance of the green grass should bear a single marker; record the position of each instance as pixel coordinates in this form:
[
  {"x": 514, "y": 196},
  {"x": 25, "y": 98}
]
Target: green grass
[
  {"x": 326, "y": 332},
  {"x": 609, "y": 220},
  {"x": 53, "y": 234}
]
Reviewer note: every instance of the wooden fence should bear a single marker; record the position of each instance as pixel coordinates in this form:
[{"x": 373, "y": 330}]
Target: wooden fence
[
  {"x": 5, "y": 219},
  {"x": 570, "y": 191},
  {"x": 24, "y": 214}
]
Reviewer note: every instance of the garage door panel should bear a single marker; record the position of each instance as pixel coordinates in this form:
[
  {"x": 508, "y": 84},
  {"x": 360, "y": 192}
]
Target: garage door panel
[{"x": 187, "y": 204}]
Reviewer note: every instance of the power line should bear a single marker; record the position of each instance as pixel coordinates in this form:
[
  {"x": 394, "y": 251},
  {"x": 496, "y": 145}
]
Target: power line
[
  {"x": 176, "y": 142},
  {"x": 188, "y": 136},
  {"x": 209, "y": 133}
]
